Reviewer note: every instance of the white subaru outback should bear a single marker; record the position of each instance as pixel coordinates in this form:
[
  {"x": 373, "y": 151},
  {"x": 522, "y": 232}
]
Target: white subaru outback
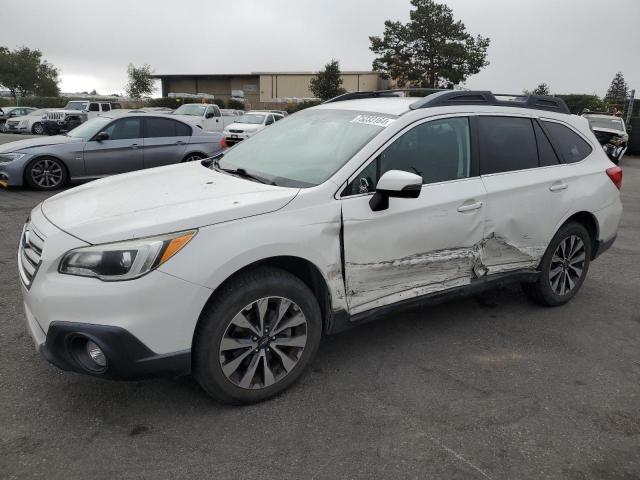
[{"x": 234, "y": 268}]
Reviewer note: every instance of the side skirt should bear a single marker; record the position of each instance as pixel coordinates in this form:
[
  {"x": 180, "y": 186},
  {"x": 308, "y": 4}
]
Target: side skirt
[{"x": 341, "y": 320}]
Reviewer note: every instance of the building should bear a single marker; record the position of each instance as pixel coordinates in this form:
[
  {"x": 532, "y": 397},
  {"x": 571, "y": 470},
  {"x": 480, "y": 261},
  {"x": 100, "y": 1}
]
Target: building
[{"x": 261, "y": 89}]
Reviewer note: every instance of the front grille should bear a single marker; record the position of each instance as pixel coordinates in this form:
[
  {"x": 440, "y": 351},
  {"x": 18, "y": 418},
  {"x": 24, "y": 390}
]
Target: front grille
[
  {"x": 236, "y": 131},
  {"x": 55, "y": 115},
  {"x": 29, "y": 253}
]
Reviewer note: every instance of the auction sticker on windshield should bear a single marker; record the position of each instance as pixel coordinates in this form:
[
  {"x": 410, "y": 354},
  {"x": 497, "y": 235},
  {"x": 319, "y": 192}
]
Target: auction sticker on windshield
[{"x": 373, "y": 120}]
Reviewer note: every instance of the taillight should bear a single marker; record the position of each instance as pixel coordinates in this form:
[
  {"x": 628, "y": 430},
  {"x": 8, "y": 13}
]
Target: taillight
[
  {"x": 615, "y": 174},
  {"x": 223, "y": 143}
]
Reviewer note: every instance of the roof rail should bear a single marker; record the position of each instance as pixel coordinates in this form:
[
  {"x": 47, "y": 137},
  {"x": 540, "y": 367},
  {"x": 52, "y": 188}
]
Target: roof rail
[
  {"x": 453, "y": 97},
  {"x": 442, "y": 98},
  {"x": 397, "y": 92}
]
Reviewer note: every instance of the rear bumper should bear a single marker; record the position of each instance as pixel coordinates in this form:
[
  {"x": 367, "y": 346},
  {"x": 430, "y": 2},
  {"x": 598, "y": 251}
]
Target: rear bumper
[
  {"x": 127, "y": 357},
  {"x": 602, "y": 246}
]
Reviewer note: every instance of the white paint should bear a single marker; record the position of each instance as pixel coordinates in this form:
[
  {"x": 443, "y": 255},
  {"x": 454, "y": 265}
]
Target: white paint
[
  {"x": 416, "y": 246},
  {"x": 396, "y": 180}
]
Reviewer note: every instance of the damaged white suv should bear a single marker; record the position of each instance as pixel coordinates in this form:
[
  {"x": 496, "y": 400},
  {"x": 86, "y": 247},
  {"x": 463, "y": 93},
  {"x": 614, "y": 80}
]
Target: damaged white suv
[{"x": 234, "y": 269}]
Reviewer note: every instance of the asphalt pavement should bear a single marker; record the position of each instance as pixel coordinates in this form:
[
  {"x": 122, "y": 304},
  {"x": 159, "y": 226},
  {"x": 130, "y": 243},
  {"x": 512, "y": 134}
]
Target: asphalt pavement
[{"x": 491, "y": 387}]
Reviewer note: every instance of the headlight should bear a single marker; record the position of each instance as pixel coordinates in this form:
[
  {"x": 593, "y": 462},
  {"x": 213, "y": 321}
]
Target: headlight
[
  {"x": 10, "y": 157},
  {"x": 112, "y": 262}
]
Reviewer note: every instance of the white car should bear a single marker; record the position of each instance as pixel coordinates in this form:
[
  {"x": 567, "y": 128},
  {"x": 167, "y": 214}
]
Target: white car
[
  {"x": 611, "y": 132},
  {"x": 248, "y": 125},
  {"x": 209, "y": 115},
  {"x": 234, "y": 269},
  {"x": 30, "y": 123}
]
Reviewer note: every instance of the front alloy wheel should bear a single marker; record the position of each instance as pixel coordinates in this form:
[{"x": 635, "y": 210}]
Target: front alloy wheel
[
  {"x": 263, "y": 342},
  {"x": 46, "y": 174},
  {"x": 256, "y": 336}
]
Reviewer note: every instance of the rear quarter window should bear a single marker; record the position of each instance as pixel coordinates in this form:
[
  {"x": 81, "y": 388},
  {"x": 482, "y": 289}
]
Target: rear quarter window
[{"x": 569, "y": 144}]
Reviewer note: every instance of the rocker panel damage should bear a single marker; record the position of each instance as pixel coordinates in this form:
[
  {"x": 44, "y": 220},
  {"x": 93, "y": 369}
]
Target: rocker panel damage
[{"x": 375, "y": 284}]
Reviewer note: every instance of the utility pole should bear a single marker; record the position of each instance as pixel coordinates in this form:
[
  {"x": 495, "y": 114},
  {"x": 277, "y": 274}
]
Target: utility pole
[{"x": 630, "y": 108}]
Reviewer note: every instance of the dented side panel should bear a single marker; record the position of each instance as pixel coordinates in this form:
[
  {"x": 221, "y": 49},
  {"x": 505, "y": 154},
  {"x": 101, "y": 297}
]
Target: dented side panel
[
  {"x": 522, "y": 211},
  {"x": 415, "y": 247}
]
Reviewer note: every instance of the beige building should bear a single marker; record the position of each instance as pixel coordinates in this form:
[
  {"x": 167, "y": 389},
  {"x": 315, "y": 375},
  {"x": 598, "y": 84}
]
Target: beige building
[{"x": 262, "y": 88}]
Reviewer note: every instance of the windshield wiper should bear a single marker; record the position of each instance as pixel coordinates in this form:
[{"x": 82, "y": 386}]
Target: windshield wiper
[{"x": 241, "y": 172}]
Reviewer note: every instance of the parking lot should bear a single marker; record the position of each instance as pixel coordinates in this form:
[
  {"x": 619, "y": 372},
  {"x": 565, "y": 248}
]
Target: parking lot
[{"x": 491, "y": 387}]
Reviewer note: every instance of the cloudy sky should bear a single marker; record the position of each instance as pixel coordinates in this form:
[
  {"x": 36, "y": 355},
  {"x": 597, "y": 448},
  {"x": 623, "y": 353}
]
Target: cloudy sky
[{"x": 573, "y": 45}]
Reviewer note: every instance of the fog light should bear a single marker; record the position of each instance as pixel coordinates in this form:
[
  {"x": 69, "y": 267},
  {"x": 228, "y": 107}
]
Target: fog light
[{"x": 96, "y": 354}]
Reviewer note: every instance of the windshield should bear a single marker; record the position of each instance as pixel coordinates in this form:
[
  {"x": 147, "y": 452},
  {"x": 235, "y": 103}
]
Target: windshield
[
  {"x": 77, "y": 106},
  {"x": 195, "y": 110},
  {"x": 305, "y": 149},
  {"x": 253, "y": 119},
  {"x": 613, "y": 123},
  {"x": 89, "y": 128}
]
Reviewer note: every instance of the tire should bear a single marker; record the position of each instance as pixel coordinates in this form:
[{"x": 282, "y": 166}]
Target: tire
[
  {"x": 3, "y": 128},
  {"x": 46, "y": 173},
  {"x": 562, "y": 274},
  {"x": 262, "y": 372},
  {"x": 193, "y": 157},
  {"x": 38, "y": 129}
]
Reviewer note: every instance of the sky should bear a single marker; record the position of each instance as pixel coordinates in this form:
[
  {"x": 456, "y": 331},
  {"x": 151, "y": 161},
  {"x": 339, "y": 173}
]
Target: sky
[{"x": 575, "y": 46}]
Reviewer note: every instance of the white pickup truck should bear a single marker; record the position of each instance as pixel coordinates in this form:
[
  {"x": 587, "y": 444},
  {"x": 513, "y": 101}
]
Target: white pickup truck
[{"x": 211, "y": 118}]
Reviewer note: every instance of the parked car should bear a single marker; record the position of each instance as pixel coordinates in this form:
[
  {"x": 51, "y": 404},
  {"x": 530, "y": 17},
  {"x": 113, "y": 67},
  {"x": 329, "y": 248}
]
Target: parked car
[
  {"x": 248, "y": 125},
  {"x": 341, "y": 214},
  {"x": 611, "y": 133},
  {"x": 105, "y": 145},
  {"x": 11, "y": 112},
  {"x": 30, "y": 123},
  {"x": 227, "y": 112},
  {"x": 75, "y": 113},
  {"x": 209, "y": 115}
]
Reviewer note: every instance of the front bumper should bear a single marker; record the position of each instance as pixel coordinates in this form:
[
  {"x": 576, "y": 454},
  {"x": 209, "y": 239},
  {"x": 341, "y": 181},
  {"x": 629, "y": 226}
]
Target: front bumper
[
  {"x": 13, "y": 172},
  {"x": 145, "y": 326},
  {"x": 127, "y": 357}
]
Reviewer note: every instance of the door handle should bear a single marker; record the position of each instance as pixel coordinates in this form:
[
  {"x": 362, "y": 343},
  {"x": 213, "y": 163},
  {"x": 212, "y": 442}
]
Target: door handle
[
  {"x": 469, "y": 206},
  {"x": 134, "y": 146},
  {"x": 180, "y": 142},
  {"x": 556, "y": 187}
]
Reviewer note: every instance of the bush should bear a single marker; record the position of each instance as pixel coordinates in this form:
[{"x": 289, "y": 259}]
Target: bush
[
  {"x": 296, "y": 107},
  {"x": 36, "y": 102},
  {"x": 219, "y": 102},
  {"x": 234, "y": 104},
  {"x": 578, "y": 102}
]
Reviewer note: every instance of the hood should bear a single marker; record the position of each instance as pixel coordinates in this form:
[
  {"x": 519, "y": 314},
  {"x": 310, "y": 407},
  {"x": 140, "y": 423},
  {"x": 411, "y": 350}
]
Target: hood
[
  {"x": 37, "y": 142},
  {"x": 247, "y": 127},
  {"x": 160, "y": 200}
]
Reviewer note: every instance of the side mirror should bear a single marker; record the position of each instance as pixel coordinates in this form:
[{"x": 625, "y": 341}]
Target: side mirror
[
  {"x": 102, "y": 136},
  {"x": 209, "y": 115},
  {"x": 397, "y": 184}
]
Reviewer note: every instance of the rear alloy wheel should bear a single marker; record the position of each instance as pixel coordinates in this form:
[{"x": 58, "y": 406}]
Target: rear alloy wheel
[
  {"x": 563, "y": 267},
  {"x": 46, "y": 174},
  {"x": 256, "y": 337},
  {"x": 37, "y": 129},
  {"x": 193, "y": 157}
]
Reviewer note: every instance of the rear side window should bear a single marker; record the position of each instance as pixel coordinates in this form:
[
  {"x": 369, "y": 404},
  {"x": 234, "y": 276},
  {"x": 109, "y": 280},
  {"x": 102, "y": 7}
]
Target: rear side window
[
  {"x": 105, "y": 107},
  {"x": 93, "y": 107},
  {"x": 545, "y": 151},
  {"x": 182, "y": 130},
  {"x": 507, "y": 144},
  {"x": 571, "y": 147},
  {"x": 164, "y": 127}
]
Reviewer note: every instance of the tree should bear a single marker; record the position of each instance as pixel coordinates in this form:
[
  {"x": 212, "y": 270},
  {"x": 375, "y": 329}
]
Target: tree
[
  {"x": 23, "y": 72},
  {"x": 328, "y": 83},
  {"x": 618, "y": 91},
  {"x": 140, "y": 81},
  {"x": 431, "y": 50},
  {"x": 542, "y": 89}
]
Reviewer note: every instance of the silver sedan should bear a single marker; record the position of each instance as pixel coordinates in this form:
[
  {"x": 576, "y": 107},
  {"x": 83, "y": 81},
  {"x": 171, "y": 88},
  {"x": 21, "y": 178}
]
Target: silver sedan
[{"x": 105, "y": 145}]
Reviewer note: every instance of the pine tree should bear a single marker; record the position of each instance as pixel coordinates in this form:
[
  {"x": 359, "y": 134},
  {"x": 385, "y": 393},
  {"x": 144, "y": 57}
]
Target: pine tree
[
  {"x": 328, "y": 84},
  {"x": 618, "y": 91}
]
